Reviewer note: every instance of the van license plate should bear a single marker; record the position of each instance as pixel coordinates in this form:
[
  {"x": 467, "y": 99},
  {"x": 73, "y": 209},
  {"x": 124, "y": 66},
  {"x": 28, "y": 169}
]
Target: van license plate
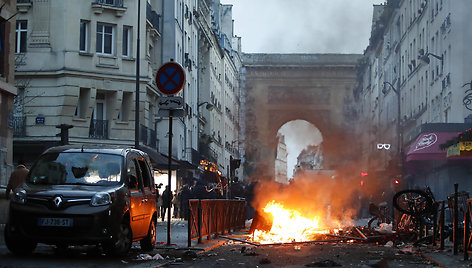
[{"x": 62, "y": 222}]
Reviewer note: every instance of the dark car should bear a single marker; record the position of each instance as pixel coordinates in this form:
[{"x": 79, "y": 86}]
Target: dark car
[{"x": 85, "y": 195}]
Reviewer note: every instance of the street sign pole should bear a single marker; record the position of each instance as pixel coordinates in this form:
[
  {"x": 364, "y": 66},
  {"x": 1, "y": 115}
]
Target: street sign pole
[
  {"x": 169, "y": 193},
  {"x": 170, "y": 80}
]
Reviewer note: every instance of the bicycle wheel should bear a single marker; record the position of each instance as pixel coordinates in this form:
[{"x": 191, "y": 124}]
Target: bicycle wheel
[{"x": 413, "y": 202}]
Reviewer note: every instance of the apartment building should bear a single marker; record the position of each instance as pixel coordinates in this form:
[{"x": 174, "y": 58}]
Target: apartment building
[
  {"x": 7, "y": 87},
  {"x": 76, "y": 65},
  {"x": 411, "y": 91},
  {"x": 79, "y": 69},
  {"x": 219, "y": 95}
]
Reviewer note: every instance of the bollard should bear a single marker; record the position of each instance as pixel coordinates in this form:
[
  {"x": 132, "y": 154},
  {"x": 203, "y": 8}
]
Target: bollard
[
  {"x": 441, "y": 219},
  {"x": 455, "y": 225}
]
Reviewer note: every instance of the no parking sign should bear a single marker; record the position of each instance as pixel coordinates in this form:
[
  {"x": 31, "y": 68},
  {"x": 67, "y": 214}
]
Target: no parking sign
[{"x": 170, "y": 78}]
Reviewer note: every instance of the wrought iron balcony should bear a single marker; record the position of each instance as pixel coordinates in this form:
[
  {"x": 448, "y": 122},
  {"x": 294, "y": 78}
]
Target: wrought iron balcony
[
  {"x": 114, "y": 3},
  {"x": 98, "y": 129},
  {"x": 19, "y": 126}
]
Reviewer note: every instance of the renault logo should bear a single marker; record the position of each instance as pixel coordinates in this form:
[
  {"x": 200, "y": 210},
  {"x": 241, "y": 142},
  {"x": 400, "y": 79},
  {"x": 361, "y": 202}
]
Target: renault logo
[{"x": 57, "y": 201}]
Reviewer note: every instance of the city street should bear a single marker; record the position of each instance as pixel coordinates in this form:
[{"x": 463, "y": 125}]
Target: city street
[{"x": 221, "y": 252}]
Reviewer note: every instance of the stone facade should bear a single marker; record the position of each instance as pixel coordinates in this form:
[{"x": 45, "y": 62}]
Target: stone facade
[
  {"x": 7, "y": 88},
  {"x": 283, "y": 87}
]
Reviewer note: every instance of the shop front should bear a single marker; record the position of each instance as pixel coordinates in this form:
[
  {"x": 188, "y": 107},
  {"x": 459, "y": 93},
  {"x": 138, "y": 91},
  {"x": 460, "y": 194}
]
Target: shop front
[{"x": 427, "y": 162}]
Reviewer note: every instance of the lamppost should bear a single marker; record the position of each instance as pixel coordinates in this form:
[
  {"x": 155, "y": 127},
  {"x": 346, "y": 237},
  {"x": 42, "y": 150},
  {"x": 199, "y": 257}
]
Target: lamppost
[
  {"x": 399, "y": 125},
  {"x": 425, "y": 58},
  {"x": 136, "y": 113},
  {"x": 208, "y": 106}
]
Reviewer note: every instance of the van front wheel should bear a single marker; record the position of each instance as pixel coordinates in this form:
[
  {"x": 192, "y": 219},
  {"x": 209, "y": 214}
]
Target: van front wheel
[
  {"x": 18, "y": 244},
  {"x": 121, "y": 244}
]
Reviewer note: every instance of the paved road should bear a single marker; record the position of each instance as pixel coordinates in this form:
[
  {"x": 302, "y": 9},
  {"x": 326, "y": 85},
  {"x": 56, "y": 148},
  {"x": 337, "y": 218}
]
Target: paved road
[{"x": 230, "y": 253}]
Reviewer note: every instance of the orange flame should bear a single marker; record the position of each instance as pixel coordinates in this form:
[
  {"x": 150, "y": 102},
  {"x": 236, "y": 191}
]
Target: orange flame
[{"x": 288, "y": 226}]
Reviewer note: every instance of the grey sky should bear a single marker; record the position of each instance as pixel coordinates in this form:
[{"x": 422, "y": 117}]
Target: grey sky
[{"x": 303, "y": 26}]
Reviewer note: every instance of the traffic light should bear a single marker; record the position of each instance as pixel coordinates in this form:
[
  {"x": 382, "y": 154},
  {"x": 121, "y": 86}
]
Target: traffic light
[{"x": 64, "y": 133}]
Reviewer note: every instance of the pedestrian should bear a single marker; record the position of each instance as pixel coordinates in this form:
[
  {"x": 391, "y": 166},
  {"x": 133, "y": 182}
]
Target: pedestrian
[
  {"x": 166, "y": 198},
  {"x": 158, "y": 201},
  {"x": 176, "y": 204},
  {"x": 185, "y": 195},
  {"x": 17, "y": 177}
]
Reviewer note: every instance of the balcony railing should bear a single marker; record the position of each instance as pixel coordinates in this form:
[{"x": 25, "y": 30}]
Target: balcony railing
[
  {"x": 115, "y": 3},
  {"x": 19, "y": 126},
  {"x": 148, "y": 137},
  {"x": 23, "y": 1},
  {"x": 98, "y": 129}
]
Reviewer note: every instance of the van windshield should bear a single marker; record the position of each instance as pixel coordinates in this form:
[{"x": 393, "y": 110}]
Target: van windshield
[{"x": 76, "y": 168}]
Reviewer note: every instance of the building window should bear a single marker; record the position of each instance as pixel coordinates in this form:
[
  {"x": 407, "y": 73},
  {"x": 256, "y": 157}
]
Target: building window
[
  {"x": 21, "y": 32},
  {"x": 84, "y": 36},
  {"x": 82, "y": 104},
  {"x": 105, "y": 39},
  {"x": 126, "y": 41}
]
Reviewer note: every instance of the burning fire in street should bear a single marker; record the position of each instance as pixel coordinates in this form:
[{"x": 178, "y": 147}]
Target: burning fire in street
[{"x": 288, "y": 226}]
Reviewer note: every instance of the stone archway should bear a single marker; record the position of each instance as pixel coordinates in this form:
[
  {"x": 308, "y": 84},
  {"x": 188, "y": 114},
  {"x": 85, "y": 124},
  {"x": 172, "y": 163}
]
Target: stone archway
[{"x": 280, "y": 88}]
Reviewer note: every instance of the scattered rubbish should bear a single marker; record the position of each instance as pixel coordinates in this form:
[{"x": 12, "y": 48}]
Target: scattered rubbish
[
  {"x": 250, "y": 252},
  {"x": 385, "y": 228},
  {"x": 408, "y": 250},
  {"x": 389, "y": 244},
  {"x": 296, "y": 247},
  {"x": 323, "y": 263},
  {"x": 157, "y": 257},
  {"x": 144, "y": 257},
  {"x": 124, "y": 262}
]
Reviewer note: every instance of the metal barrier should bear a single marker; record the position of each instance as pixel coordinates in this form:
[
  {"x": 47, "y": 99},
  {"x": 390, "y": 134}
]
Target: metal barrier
[
  {"x": 467, "y": 234},
  {"x": 209, "y": 217}
]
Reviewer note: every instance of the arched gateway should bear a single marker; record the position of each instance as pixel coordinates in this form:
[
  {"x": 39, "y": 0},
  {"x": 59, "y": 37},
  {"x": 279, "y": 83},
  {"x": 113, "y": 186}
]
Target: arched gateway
[{"x": 284, "y": 87}]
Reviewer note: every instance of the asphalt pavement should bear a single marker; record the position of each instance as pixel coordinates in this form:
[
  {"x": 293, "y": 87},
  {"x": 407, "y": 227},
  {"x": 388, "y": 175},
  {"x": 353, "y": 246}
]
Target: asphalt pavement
[{"x": 179, "y": 239}]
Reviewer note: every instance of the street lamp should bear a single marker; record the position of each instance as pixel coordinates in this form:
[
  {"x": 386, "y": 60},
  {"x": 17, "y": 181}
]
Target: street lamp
[
  {"x": 399, "y": 126},
  {"x": 424, "y": 59},
  {"x": 208, "y": 106}
]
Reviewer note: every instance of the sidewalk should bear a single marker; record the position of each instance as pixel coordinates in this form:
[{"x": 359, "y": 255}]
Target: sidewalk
[
  {"x": 179, "y": 237},
  {"x": 446, "y": 257}
]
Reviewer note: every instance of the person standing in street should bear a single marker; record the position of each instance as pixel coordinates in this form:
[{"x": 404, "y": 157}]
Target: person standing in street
[
  {"x": 166, "y": 197},
  {"x": 17, "y": 177}
]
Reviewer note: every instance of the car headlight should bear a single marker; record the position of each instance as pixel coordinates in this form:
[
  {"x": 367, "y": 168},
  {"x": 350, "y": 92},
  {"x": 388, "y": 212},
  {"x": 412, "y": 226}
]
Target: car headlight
[
  {"x": 100, "y": 199},
  {"x": 19, "y": 197}
]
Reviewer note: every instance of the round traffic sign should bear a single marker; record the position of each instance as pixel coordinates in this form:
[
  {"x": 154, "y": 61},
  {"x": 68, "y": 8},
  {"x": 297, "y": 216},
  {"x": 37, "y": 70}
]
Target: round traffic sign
[{"x": 170, "y": 78}]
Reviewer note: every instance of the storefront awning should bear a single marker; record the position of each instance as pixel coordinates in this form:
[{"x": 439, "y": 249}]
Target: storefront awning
[
  {"x": 159, "y": 160},
  {"x": 426, "y": 146}
]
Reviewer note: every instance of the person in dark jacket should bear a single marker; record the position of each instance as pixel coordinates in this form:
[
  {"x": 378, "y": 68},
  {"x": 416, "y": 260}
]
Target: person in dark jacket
[
  {"x": 185, "y": 195},
  {"x": 166, "y": 197}
]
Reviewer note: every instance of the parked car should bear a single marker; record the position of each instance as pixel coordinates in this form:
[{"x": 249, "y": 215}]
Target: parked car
[{"x": 85, "y": 195}]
